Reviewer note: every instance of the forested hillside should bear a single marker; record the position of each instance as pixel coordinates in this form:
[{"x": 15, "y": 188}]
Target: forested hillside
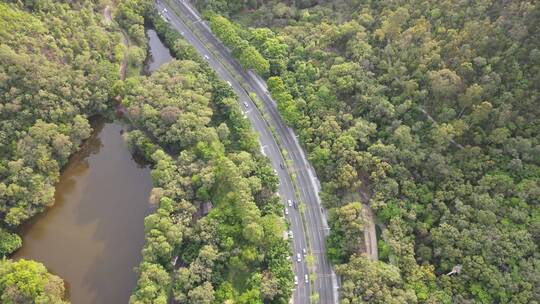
[
  {"x": 217, "y": 234},
  {"x": 57, "y": 66},
  {"x": 58, "y": 62},
  {"x": 427, "y": 113}
]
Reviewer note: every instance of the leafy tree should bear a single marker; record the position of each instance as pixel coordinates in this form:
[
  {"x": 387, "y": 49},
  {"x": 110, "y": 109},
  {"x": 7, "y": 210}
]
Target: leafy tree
[
  {"x": 26, "y": 281},
  {"x": 9, "y": 242}
]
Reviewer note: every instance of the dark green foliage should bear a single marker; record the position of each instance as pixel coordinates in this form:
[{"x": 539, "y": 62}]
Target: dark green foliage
[
  {"x": 55, "y": 72},
  {"x": 426, "y": 111},
  {"x": 236, "y": 251},
  {"x": 9, "y": 242},
  {"x": 58, "y": 61}
]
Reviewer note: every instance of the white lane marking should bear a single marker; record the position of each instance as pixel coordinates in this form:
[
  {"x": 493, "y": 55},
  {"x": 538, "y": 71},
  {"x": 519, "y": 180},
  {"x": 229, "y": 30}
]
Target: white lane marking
[
  {"x": 191, "y": 11},
  {"x": 298, "y": 240}
]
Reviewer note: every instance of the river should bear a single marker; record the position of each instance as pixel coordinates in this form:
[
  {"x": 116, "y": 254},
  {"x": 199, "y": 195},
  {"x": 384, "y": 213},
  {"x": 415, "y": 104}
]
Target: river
[
  {"x": 158, "y": 53},
  {"x": 93, "y": 235}
]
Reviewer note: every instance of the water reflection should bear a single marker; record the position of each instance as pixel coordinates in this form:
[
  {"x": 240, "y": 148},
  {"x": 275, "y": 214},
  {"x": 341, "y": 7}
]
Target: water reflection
[
  {"x": 93, "y": 235},
  {"x": 158, "y": 52}
]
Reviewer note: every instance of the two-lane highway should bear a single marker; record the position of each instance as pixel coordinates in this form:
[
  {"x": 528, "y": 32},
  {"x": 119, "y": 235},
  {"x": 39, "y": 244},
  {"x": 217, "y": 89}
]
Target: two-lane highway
[{"x": 306, "y": 183}]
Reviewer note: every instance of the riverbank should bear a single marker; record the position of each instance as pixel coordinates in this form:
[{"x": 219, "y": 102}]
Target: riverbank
[{"x": 93, "y": 234}]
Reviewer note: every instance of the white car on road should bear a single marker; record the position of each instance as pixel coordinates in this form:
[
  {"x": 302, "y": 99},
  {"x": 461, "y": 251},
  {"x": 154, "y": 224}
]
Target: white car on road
[
  {"x": 298, "y": 257},
  {"x": 289, "y": 202}
]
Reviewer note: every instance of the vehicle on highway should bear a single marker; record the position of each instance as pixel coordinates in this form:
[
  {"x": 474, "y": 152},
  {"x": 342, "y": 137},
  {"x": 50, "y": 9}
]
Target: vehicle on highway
[
  {"x": 229, "y": 83},
  {"x": 286, "y": 211},
  {"x": 298, "y": 257},
  {"x": 304, "y": 251},
  {"x": 303, "y": 182},
  {"x": 295, "y": 280},
  {"x": 206, "y": 57},
  {"x": 289, "y": 202},
  {"x": 295, "y": 205},
  {"x": 306, "y": 279},
  {"x": 165, "y": 10}
]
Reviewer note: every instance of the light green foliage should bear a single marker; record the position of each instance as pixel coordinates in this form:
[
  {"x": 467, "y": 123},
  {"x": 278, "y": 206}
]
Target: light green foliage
[
  {"x": 9, "y": 242},
  {"x": 212, "y": 164},
  {"x": 153, "y": 285},
  {"x": 249, "y": 56},
  {"x": 56, "y": 67},
  {"x": 347, "y": 230},
  {"x": 130, "y": 15},
  {"x": 29, "y": 282},
  {"x": 427, "y": 112},
  {"x": 52, "y": 79},
  {"x": 373, "y": 282}
]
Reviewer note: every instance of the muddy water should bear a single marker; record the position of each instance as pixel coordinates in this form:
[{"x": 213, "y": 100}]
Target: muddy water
[
  {"x": 158, "y": 52},
  {"x": 92, "y": 237}
]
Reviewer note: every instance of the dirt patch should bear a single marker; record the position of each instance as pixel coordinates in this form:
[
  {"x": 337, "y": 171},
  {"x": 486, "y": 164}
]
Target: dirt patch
[
  {"x": 370, "y": 233},
  {"x": 107, "y": 15}
]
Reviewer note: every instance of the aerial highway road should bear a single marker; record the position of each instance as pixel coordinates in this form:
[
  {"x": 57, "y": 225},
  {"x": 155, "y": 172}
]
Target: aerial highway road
[{"x": 309, "y": 235}]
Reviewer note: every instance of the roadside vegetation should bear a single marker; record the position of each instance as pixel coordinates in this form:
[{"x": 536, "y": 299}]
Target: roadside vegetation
[
  {"x": 219, "y": 219},
  {"x": 427, "y": 113},
  {"x": 58, "y": 62},
  {"x": 217, "y": 234}
]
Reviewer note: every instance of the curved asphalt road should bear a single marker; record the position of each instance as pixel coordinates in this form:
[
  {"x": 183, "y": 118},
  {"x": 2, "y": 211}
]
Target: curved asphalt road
[{"x": 325, "y": 284}]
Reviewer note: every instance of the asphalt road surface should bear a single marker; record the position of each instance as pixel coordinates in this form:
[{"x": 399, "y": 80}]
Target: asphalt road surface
[{"x": 325, "y": 283}]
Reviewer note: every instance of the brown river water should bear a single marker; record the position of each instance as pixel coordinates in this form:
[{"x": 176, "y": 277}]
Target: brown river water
[{"x": 93, "y": 235}]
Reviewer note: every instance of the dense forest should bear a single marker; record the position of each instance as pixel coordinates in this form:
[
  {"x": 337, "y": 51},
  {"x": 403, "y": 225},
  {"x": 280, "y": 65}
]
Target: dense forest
[
  {"x": 218, "y": 228},
  {"x": 426, "y": 113},
  {"x": 422, "y": 111},
  {"x": 217, "y": 234},
  {"x": 57, "y": 63}
]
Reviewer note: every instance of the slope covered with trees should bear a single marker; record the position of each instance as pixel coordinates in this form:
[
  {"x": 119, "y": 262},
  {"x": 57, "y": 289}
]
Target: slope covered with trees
[
  {"x": 58, "y": 61},
  {"x": 425, "y": 111},
  {"x": 236, "y": 251},
  {"x": 217, "y": 234},
  {"x": 29, "y": 282},
  {"x": 55, "y": 71}
]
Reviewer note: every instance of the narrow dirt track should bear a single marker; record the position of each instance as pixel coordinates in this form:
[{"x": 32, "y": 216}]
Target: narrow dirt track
[{"x": 125, "y": 40}]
